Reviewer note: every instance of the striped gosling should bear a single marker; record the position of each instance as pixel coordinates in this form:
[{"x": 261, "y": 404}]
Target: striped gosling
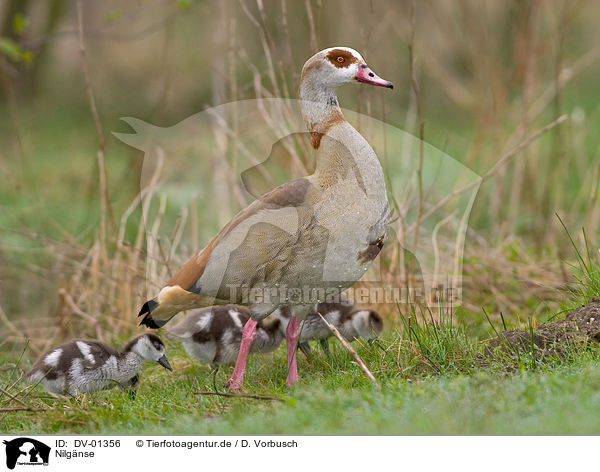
[
  {"x": 350, "y": 321},
  {"x": 213, "y": 334},
  {"x": 82, "y": 366}
]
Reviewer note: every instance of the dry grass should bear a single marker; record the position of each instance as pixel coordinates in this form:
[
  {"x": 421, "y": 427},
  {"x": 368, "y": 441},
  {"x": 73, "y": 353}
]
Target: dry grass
[{"x": 504, "y": 69}]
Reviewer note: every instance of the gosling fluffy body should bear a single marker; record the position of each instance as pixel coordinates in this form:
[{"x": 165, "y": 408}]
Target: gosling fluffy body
[
  {"x": 82, "y": 366},
  {"x": 351, "y": 322},
  {"x": 213, "y": 334}
]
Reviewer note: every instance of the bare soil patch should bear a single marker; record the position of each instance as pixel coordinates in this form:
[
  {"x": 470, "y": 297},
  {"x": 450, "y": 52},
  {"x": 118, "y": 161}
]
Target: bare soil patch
[{"x": 580, "y": 326}]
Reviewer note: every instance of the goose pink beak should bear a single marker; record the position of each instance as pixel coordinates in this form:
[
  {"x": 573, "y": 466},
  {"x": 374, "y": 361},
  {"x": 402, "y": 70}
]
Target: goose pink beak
[{"x": 367, "y": 76}]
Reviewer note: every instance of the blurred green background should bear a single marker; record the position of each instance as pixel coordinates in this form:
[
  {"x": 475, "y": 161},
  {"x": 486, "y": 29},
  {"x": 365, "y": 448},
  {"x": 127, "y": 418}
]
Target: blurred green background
[
  {"x": 473, "y": 78},
  {"x": 488, "y": 73}
]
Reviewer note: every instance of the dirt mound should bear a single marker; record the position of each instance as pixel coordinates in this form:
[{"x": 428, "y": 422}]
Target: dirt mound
[{"x": 581, "y": 325}]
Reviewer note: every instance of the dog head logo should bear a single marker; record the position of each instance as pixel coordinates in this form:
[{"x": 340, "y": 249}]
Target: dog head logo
[
  {"x": 26, "y": 451},
  {"x": 246, "y": 148}
]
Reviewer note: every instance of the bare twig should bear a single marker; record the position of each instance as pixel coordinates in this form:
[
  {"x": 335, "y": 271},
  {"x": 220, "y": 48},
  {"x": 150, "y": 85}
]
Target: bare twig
[
  {"x": 105, "y": 208},
  {"x": 591, "y": 217},
  {"x": 13, "y": 397},
  {"x": 350, "y": 349},
  {"x": 9, "y": 387},
  {"x": 8, "y": 409},
  {"x": 264, "y": 39},
  {"x": 16, "y": 396},
  {"x": 311, "y": 21},
  {"x": 499, "y": 164},
  {"x": 286, "y": 34},
  {"x": 8, "y": 323},
  {"x": 165, "y": 21},
  {"x": 77, "y": 311},
  {"x": 242, "y": 395},
  {"x": 416, "y": 91}
]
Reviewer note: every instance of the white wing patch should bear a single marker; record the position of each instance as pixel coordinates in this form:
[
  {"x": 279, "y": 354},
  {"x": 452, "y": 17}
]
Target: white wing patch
[
  {"x": 86, "y": 351},
  {"x": 235, "y": 316},
  {"x": 204, "y": 322},
  {"x": 360, "y": 323},
  {"x": 333, "y": 317},
  {"x": 53, "y": 358},
  {"x": 229, "y": 348},
  {"x": 36, "y": 376}
]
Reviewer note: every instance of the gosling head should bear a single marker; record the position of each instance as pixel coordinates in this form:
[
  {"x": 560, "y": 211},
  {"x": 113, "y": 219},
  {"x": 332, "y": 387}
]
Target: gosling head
[
  {"x": 335, "y": 66},
  {"x": 367, "y": 323},
  {"x": 150, "y": 348}
]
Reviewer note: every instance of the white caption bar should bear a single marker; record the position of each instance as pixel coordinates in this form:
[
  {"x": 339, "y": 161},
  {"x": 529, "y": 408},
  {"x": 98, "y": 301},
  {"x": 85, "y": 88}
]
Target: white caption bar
[{"x": 289, "y": 453}]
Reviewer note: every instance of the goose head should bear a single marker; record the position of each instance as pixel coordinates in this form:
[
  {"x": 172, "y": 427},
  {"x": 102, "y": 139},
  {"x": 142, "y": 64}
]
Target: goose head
[
  {"x": 332, "y": 67},
  {"x": 321, "y": 75},
  {"x": 150, "y": 348}
]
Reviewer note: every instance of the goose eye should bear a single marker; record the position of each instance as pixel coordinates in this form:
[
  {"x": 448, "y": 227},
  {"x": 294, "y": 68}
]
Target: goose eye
[{"x": 340, "y": 59}]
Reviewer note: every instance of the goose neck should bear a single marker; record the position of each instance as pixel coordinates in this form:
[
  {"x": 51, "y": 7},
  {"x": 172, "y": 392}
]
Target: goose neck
[{"x": 320, "y": 106}]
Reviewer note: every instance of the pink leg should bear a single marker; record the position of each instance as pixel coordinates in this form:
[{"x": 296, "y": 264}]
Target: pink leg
[
  {"x": 248, "y": 336},
  {"x": 291, "y": 339}
]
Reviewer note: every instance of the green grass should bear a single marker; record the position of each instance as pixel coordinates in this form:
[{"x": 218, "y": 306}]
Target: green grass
[
  {"x": 432, "y": 376},
  {"x": 432, "y": 379},
  {"x": 561, "y": 399}
]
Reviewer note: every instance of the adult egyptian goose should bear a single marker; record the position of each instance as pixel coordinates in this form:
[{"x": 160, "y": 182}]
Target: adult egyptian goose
[
  {"x": 351, "y": 322},
  {"x": 302, "y": 239},
  {"x": 213, "y": 334},
  {"x": 82, "y": 366}
]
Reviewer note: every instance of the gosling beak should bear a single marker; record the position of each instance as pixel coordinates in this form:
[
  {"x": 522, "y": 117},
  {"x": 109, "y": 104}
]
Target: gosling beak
[
  {"x": 165, "y": 363},
  {"x": 367, "y": 76}
]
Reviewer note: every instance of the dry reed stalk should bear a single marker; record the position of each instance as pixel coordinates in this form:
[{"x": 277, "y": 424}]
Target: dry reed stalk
[
  {"x": 153, "y": 241},
  {"x": 240, "y": 145},
  {"x": 19, "y": 378},
  {"x": 314, "y": 44},
  {"x": 235, "y": 126},
  {"x": 504, "y": 300},
  {"x": 565, "y": 75},
  {"x": 263, "y": 35},
  {"x": 434, "y": 244},
  {"x": 19, "y": 334},
  {"x": 242, "y": 395},
  {"x": 145, "y": 200},
  {"x": 13, "y": 397},
  {"x": 88, "y": 276},
  {"x": 537, "y": 279},
  {"x": 592, "y": 216},
  {"x": 528, "y": 33},
  {"x": 106, "y": 207},
  {"x": 9, "y": 409},
  {"x": 64, "y": 319},
  {"x": 350, "y": 349},
  {"x": 221, "y": 175},
  {"x": 288, "y": 43},
  {"x": 194, "y": 220},
  {"x": 490, "y": 173},
  {"x": 68, "y": 300},
  {"x": 165, "y": 60},
  {"x": 415, "y": 88},
  {"x": 177, "y": 235}
]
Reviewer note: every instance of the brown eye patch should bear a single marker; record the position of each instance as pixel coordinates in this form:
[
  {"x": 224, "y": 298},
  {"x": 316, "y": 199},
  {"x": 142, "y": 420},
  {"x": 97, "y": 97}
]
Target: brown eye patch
[{"x": 341, "y": 58}]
